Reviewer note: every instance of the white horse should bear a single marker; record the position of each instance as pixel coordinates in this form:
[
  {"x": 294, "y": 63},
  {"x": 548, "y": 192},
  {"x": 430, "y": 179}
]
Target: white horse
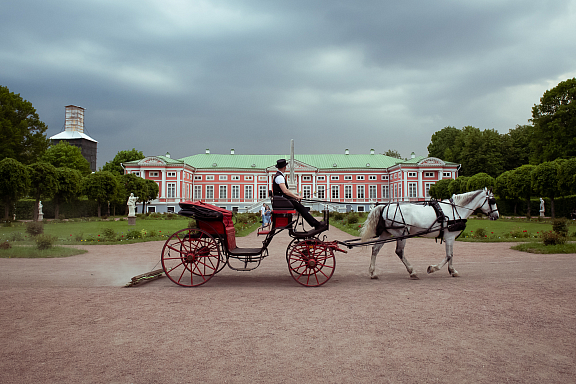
[{"x": 403, "y": 220}]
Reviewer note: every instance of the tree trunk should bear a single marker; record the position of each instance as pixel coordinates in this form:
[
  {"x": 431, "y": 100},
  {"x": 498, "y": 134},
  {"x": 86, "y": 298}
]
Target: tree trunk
[
  {"x": 99, "y": 209},
  {"x": 35, "y": 212},
  {"x": 515, "y": 206},
  {"x": 6, "y": 210},
  {"x": 553, "y": 215},
  {"x": 528, "y": 207},
  {"x": 108, "y": 212},
  {"x": 56, "y": 202}
]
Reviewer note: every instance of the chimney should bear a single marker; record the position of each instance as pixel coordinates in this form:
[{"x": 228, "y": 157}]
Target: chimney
[
  {"x": 168, "y": 154},
  {"x": 232, "y": 151},
  {"x": 413, "y": 155},
  {"x": 346, "y": 152},
  {"x": 74, "y": 120},
  {"x": 207, "y": 151},
  {"x": 372, "y": 151}
]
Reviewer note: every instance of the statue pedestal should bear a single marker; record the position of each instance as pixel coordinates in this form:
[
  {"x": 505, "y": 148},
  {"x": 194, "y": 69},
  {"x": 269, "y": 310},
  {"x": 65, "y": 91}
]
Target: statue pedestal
[
  {"x": 131, "y": 220},
  {"x": 541, "y": 213},
  {"x": 41, "y": 217}
]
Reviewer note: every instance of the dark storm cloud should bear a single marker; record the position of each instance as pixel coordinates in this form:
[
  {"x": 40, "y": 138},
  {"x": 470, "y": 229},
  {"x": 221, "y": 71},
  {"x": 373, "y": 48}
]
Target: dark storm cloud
[{"x": 183, "y": 76}]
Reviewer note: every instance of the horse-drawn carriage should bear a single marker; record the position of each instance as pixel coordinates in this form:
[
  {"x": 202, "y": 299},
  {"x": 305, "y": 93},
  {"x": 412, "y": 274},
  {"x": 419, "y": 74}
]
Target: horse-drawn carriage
[{"x": 192, "y": 256}]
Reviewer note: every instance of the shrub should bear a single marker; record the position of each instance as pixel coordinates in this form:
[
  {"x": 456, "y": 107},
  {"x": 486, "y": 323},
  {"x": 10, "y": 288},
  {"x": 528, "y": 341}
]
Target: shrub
[
  {"x": 34, "y": 228},
  {"x": 170, "y": 216},
  {"x": 353, "y": 218},
  {"x": 44, "y": 241},
  {"x": 16, "y": 236},
  {"x": 480, "y": 233},
  {"x": 151, "y": 234},
  {"x": 78, "y": 236},
  {"x": 552, "y": 238},
  {"x": 336, "y": 215},
  {"x": 191, "y": 223},
  {"x": 133, "y": 234},
  {"x": 109, "y": 234},
  {"x": 7, "y": 223},
  {"x": 5, "y": 245},
  {"x": 560, "y": 226},
  {"x": 519, "y": 234}
]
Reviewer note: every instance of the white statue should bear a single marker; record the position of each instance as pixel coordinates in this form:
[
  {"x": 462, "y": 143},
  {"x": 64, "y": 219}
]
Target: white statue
[
  {"x": 40, "y": 208},
  {"x": 132, "y": 205},
  {"x": 542, "y": 207}
]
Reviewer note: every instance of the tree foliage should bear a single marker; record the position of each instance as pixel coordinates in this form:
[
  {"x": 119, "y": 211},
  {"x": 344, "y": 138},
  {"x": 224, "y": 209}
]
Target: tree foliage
[
  {"x": 69, "y": 187},
  {"x": 442, "y": 143},
  {"x": 393, "y": 153},
  {"x": 439, "y": 190},
  {"x": 567, "y": 177},
  {"x": 43, "y": 182},
  {"x": 480, "y": 181},
  {"x": 545, "y": 181},
  {"x": 554, "y": 119},
  {"x": 115, "y": 166},
  {"x": 14, "y": 183},
  {"x": 101, "y": 186},
  {"x": 459, "y": 185},
  {"x": 66, "y": 155},
  {"x": 21, "y": 131}
]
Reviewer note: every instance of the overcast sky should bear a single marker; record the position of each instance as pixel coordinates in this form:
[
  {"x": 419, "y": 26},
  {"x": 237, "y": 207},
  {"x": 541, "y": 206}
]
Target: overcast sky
[{"x": 181, "y": 76}]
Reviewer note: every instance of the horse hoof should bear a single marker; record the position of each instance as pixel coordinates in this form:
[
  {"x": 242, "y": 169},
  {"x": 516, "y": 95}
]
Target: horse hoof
[
  {"x": 455, "y": 274},
  {"x": 414, "y": 277},
  {"x": 430, "y": 269},
  {"x": 374, "y": 277}
]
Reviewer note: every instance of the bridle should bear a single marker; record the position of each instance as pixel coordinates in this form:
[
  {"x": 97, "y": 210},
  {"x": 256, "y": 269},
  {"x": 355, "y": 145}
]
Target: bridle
[{"x": 491, "y": 201}]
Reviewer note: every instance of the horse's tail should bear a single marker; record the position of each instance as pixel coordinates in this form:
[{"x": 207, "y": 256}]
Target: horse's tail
[{"x": 368, "y": 229}]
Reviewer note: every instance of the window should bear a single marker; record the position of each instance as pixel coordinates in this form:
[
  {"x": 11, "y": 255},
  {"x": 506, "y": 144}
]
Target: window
[
  {"x": 321, "y": 178},
  {"x": 223, "y": 193},
  {"x": 262, "y": 178},
  {"x": 360, "y": 208},
  {"x": 171, "y": 190},
  {"x": 171, "y": 209},
  {"x": 248, "y": 192},
  {"x": 210, "y": 192},
  {"x": 235, "y": 191},
  {"x": 428, "y": 174},
  {"x": 347, "y": 191},
  {"x": 347, "y": 177},
  {"x": 209, "y": 177},
  {"x": 306, "y": 191},
  {"x": 385, "y": 192},
  {"x": 360, "y": 177},
  {"x": 137, "y": 173},
  {"x": 372, "y": 177},
  {"x": 334, "y": 177},
  {"x": 399, "y": 190},
  {"x": 262, "y": 192},
  {"x": 235, "y": 177},
  {"x": 222, "y": 177},
  {"x": 150, "y": 209},
  {"x": 412, "y": 187},
  {"x": 248, "y": 178},
  {"x": 306, "y": 178},
  {"x": 447, "y": 174},
  {"x": 384, "y": 177},
  {"x": 153, "y": 174},
  {"x": 427, "y": 188},
  {"x": 335, "y": 192},
  {"x": 171, "y": 174},
  {"x": 360, "y": 192},
  {"x": 321, "y": 192},
  {"x": 198, "y": 177},
  {"x": 197, "y": 192},
  {"x": 411, "y": 174},
  {"x": 372, "y": 190}
]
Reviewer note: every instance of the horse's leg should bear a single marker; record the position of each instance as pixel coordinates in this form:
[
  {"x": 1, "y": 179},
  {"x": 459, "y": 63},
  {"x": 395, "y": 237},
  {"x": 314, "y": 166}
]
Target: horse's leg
[
  {"x": 375, "y": 249},
  {"x": 448, "y": 259},
  {"x": 400, "y": 244}
]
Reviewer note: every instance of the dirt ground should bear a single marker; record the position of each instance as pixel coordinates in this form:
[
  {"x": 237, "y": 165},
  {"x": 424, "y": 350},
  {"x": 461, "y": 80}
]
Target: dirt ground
[{"x": 510, "y": 317}]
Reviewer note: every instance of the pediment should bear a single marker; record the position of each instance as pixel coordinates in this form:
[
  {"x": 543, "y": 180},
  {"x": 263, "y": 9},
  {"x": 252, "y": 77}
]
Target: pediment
[
  {"x": 298, "y": 167},
  {"x": 153, "y": 160},
  {"x": 432, "y": 161}
]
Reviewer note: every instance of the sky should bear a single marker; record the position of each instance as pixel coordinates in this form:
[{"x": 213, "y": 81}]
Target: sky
[{"x": 183, "y": 76}]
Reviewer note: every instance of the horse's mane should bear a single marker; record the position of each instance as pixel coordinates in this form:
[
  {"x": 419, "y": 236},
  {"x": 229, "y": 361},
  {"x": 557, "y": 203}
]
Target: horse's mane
[{"x": 464, "y": 198}]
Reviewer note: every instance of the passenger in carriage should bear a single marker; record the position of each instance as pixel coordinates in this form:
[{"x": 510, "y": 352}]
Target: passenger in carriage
[{"x": 280, "y": 188}]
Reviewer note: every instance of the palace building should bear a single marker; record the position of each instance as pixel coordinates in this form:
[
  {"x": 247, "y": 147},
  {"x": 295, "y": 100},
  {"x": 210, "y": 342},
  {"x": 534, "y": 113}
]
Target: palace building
[{"x": 341, "y": 182}]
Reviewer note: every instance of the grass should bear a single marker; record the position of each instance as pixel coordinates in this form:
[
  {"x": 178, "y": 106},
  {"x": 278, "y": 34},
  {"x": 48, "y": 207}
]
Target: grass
[
  {"x": 29, "y": 252},
  {"x": 546, "y": 249}
]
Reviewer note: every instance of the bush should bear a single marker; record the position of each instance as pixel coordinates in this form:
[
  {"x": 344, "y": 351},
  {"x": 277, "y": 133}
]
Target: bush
[
  {"x": 133, "y": 234},
  {"x": 78, "y": 236},
  {"x": 191, "y": 223},
  {"x": 553, "y": 238},
  {"x": 170, "y": 216},
  {"x": 109, "y": 234},
  {"x": 336, "y": 215},
  {"x": 5, "y": 245},
  {"x": 16, "y": 236},
  {"x": 480, "y": 233},
  {"x": 560, "y": 226},
  {"x": 44, "y": 241},
  {"x": 34, "y": 228},
  {"x": 353, "y": 218}
]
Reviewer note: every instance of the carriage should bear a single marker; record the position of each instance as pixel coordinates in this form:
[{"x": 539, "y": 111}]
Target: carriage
[{"x": 192, "y": 256}]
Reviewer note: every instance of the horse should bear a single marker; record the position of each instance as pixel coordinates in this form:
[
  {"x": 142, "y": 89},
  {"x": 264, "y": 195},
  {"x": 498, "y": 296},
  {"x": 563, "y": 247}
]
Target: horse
[{"x": 444, "y": 219}]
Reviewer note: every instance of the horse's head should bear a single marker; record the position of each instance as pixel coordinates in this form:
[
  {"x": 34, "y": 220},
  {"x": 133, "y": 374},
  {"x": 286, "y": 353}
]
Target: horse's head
[{"x": 489, "y": 205}]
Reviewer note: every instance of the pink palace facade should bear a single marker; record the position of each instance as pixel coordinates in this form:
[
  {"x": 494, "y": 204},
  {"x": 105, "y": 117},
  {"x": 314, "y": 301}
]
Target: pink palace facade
[{"x": 241, "y": 183}]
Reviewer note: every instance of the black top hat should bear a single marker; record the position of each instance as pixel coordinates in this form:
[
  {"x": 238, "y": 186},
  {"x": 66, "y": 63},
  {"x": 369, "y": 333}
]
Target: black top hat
[{"x": 281, "y": 163}]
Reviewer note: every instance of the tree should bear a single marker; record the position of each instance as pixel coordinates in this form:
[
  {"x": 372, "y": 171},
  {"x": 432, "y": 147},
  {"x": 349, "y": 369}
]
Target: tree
[
  {"x": 545, "y": 181},
  {"x": 520, "y": 183},
  {"x": 100, "y": 186},
  {"x": 439, "y": 191},
  {"x": 14, "y": 183},
  {"x": 131, "y": 183},
  {"x": 459, "y": 185},
  {"x": 69, "y": 187},
  {"x": 21, "y": 131},
  {"x": 152, "y": 190},
  {"x": 554, "y": 119},
  {"x": 515, "y": 147},
  {"x": 122, "y": 157},
  {"x": 479, "y": 151},
  {"x": 502, "y": 189},
  {"x": 393, "y": 153},
  {"x": 43, "y": 183},
  {"x": 66, "y": 155},
  {"x": 567, "y": 177},
  {"x": 480, "y": 181},
  {"x": 442, "y": 143}
]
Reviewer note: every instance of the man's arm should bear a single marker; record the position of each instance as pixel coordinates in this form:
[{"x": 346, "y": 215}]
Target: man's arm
[{"x": 287, "y": 192}]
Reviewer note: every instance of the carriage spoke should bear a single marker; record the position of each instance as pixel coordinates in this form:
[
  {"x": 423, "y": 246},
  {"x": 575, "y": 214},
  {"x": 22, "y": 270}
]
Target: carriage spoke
[{"x": 311, "y": 262}]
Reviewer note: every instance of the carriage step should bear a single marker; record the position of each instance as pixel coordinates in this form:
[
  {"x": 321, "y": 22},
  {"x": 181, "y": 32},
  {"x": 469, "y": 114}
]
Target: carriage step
[{"x": 263, "y": 232}]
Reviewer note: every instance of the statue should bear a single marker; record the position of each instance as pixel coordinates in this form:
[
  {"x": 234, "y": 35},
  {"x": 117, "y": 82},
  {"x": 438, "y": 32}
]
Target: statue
[
  {"x": 132, "y": 205},
  {"x": 40, "y": 213},
  {"x": 542, "y": 207}
]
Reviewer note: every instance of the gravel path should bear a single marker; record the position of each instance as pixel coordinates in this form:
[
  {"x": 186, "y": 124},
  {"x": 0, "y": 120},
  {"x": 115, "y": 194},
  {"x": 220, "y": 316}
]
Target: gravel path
[{"x": 510, "y": 317}]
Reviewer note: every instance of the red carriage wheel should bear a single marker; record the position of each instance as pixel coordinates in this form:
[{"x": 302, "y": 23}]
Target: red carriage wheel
[
  {"x": 190, "y": 257},
  {"x": 311, "y": 262}
]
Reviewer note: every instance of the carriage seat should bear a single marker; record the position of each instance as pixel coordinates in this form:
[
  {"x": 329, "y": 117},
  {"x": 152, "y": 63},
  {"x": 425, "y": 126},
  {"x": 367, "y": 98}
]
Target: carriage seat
[{"x": 280, "y": 203}]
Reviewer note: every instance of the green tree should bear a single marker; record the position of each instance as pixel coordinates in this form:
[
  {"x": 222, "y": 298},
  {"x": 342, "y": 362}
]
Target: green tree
[
  {"x": 458, "y": 186},
  {"x": 66, "y": 155},
  {"x": 393, "y": 153},
  {"x": 101, "y": 186},
  {"x": 554, "y": 119},
  {"x": 439, "y": 190},
  {"x": 567, "y": 177},
  {"x": 442, "y": 143},
  {"x": 520, "y": 184},
  {"x": 545, "y": 181},
  {"x": 479, "y": 181},
  {"x": 152, "y": 190},
  {"x": 14, "y": 183},
  {"x": 69, "y": 187},
  {"x": 479, "y": 151},
  {"x": 121, "y": 157},
  {"x": 21, "y": 131},
  {"x": 43, "y": 183}
]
